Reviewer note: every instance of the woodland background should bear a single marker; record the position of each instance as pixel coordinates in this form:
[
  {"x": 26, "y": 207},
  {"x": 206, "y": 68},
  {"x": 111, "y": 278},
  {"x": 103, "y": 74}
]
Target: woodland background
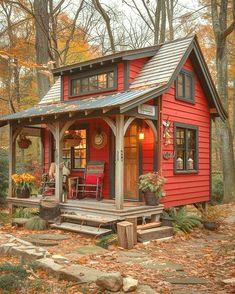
[{"x": 36, "y": 36}]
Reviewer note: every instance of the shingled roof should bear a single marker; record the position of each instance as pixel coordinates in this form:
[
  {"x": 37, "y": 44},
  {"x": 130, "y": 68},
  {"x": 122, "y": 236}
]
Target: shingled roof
[{"x": 155, "y": 78}]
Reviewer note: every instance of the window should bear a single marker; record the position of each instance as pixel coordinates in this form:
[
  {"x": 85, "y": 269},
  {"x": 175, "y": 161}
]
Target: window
[
  {"x": 185, "y": 87},
  {"x": 92, "y": 84},
  {"x": 75, "y": 148},
  {"x": 186, "y": 151}
]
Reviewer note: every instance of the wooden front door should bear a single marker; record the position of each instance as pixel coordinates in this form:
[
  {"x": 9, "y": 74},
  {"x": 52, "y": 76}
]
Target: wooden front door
[{"x": 131, "y": 163}]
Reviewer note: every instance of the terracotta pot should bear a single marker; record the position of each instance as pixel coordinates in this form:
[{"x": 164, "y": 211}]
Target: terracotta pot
[
  {"x": 151, "y": 199},
  {"x": 22, "y": 192},
  {"x": 211, "y": 225}
]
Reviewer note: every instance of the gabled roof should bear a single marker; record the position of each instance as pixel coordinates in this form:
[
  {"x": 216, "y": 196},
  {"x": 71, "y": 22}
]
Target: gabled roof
[{"x": 155, "y": 78}]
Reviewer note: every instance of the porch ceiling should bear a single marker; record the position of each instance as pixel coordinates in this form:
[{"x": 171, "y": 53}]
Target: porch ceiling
[{"x": 88, "y": 105}]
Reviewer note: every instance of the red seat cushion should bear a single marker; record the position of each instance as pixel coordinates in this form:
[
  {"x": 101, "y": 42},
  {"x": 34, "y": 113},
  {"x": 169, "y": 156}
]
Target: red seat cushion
[{"x": 92, "y": 179}]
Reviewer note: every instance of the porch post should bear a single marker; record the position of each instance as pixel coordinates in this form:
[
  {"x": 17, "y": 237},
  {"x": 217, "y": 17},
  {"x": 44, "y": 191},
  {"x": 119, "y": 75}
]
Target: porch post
[
  {"x": 58, "y": 163},
  {"x": 12, "y": 154},
  {"x": 119, "y": 163}
]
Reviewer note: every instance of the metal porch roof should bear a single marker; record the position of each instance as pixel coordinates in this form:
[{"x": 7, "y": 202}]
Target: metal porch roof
[{"x": 92, "y": 103}]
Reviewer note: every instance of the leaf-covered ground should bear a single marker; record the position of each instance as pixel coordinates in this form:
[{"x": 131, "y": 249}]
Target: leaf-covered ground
[{"x": 202, "y": 254}]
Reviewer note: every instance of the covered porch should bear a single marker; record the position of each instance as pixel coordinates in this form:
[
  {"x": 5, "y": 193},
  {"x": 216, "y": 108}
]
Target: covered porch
[{"x": 59, "y": 119}]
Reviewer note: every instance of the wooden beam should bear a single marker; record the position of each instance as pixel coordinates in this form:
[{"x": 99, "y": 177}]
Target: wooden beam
[
  {"x": 119, "y": 163},
  {"x": 87, "y": 112},
  {"x": 127, "y": 123},
  {"x": 111, "y": 123},
  {"x": 58, "y": 163},
  {"x": 153, "y": 128},
  {"x": 65, "y": 127},
  {"x": 12, "y": 154},
  {"x": 105, "y": 110}
]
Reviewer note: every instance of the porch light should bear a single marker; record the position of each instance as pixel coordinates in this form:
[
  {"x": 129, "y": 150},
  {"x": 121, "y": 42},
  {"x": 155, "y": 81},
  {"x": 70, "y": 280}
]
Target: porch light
[{"x": 141, "y": 135}]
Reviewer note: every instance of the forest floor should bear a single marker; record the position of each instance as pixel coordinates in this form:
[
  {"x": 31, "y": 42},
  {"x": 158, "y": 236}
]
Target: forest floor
[{"x": 194, "y": 263}]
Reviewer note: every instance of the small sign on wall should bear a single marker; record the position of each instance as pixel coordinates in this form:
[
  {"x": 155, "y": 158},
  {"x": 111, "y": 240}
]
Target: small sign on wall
[{"x": 147, "y": 109}]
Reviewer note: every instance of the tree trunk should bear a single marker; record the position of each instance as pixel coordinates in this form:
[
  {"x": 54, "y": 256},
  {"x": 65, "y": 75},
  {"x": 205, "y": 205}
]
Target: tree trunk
[
  {"x": 42, "y": 43},
  {"x": 163, "y": 22},
  {"x": 221, "y": 31}
]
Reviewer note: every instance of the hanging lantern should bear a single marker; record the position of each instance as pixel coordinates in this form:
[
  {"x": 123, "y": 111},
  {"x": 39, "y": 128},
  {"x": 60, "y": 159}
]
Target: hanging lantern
[{"x": 141, "y": 135}]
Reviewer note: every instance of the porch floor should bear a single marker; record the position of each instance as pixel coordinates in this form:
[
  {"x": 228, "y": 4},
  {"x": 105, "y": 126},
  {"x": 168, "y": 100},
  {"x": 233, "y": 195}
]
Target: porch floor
[{"x": 104, "y": 207}]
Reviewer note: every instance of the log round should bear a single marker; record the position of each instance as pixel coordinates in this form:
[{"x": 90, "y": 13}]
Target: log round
[{"x": 49, "y": 209}]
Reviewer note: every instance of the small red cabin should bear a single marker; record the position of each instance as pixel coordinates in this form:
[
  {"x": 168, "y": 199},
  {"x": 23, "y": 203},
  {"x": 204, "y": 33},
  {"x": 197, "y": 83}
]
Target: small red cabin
[{"x": 139, "y": 111}]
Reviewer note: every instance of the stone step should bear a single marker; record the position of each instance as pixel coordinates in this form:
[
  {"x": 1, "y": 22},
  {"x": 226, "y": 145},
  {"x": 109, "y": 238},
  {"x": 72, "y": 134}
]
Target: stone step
[
  {"x": 149, "y": 226},
  {"x": 154, "y": 234},
  {"x": 81, "y": 229},
  {"x": 88, "y": 217}
]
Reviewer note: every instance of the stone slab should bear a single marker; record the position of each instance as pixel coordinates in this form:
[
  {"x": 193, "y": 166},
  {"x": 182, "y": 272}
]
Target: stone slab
[
  {"x": 54, "y": 237},
  {"x": 90, "y": 249},
  {"x": 77, "y": 273},
  {"x": 41, "y": 242},
  {"x": 145, "y": 289},
  {"x": 186, "y": 281},
  {"x": 162, "y": 265},
  {"x": 186, "y": 291}
]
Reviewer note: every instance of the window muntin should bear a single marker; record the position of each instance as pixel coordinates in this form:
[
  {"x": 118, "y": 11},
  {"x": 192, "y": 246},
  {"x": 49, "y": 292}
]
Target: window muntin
[
  {"x": 91, "y": 84},
  {"x": 75, "y": 148},
  {"x": 185, "y": 148},
  {"x": 185, "y": 87}
]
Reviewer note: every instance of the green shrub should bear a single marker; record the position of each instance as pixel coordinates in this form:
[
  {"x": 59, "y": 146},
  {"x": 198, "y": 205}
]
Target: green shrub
[
  {"x": 183, "y": 221},
  {"x": 9, "y": 282},
  {"x": 22, "y": 213},
  {"x": 217, "y": 191},
  {"x": 36, "y": 223},
  {"x": 11, "y": 276},
  {"x": 4, "y": 218},
  {"x": 105, "y": 241},
  {"x": 3, "y": 174}
]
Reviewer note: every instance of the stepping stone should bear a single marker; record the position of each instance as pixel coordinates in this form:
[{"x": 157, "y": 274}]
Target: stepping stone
[
  {"x": 76, "y": 273},
  {"x": 90, "y": 249},
  {"x": 41, "y": 242},
  {"x": 188, "y": 292},
  {"x": 186, "y": 281},
  {"x": 145, "y": 289},
  {"x": 163, "y": 265},
  {"x": 55, "y": 237}
]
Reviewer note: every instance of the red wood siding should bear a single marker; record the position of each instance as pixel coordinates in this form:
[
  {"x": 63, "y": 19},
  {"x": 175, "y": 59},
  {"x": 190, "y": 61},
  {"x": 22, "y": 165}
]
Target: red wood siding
[
  {"x": 135, "y": 67},
  {"x": 93, "y": 153},
  {"x": 187, "y": 188},
  {"x": 147, "y": 151}
]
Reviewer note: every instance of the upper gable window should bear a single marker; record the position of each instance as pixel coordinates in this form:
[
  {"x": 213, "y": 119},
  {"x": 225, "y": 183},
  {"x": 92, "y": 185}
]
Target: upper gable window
[
  {"x": 185, "y": 87},
  {"x": 93, "y": 83}
]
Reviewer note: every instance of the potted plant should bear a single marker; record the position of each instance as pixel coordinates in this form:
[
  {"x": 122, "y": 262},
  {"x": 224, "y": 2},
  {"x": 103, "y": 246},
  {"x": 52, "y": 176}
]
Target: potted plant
[
  {"x": 212, "y": 217},
  {"x": 24, "y": 142},
  {"x": 151, "y": 184},
  {"x": 23, "y": 184}
]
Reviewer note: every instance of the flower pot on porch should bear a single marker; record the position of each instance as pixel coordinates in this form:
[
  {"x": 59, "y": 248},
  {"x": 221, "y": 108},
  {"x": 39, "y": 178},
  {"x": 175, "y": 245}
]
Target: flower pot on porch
[
  {"x": 151, "y": 199},
  {"x": 22, "y": 192}
]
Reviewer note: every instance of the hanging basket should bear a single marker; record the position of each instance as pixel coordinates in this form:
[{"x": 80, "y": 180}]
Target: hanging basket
[{"x": 24, "y": 142}]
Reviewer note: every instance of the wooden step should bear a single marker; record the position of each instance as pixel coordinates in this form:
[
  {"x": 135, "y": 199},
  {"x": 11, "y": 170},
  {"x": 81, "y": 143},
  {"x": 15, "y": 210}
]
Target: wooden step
[
  {"x": 154, "y": 234},
  {"x": 149, "y": 226},
  {"x": 91, "y": 218},
  {"x": 81, "y": 229}
]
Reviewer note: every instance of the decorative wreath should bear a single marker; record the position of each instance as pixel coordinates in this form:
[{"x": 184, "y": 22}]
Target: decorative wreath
[{"x": 99, "y": 139}]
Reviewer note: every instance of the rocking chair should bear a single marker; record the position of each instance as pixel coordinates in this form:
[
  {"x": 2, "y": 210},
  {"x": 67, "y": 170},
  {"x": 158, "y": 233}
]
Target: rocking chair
[{"x": 92, "y": 182}]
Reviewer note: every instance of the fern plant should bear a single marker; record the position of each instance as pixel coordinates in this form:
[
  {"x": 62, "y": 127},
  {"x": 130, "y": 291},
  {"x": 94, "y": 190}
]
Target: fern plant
[
  {"x": 36, "y": 223},
  {"x": 22, "y": 213},
  {"x": 183, "y": 221}
]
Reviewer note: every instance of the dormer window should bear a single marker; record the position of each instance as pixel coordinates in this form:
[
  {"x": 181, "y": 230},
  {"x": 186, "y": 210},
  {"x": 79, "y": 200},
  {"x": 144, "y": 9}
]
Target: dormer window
[
  {"x": 185, "y": 87},
  {"x": 86, "y": 84}
]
